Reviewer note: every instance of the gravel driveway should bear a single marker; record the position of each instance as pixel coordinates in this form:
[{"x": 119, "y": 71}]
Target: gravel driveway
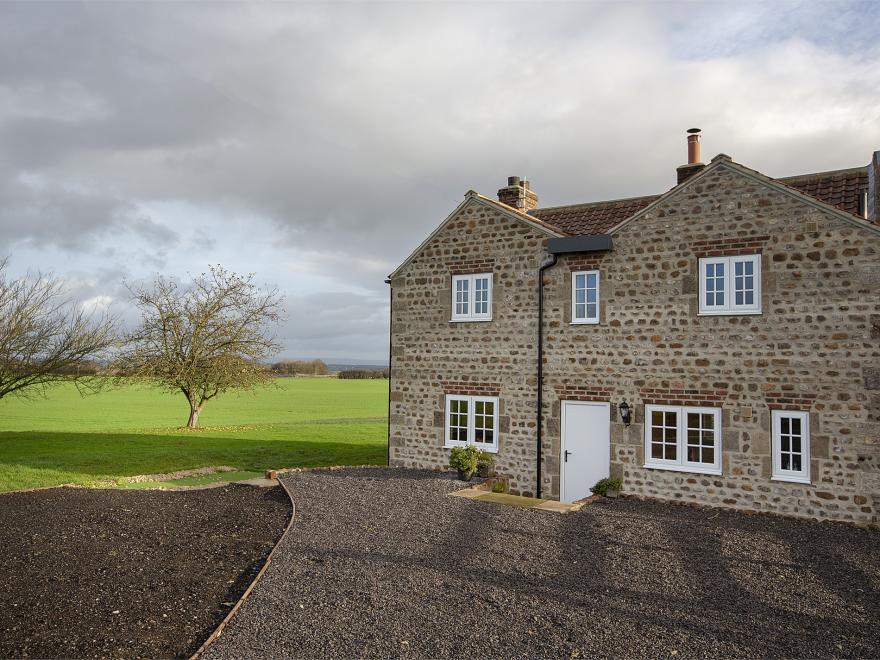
[{"x": 380, "y": 562}]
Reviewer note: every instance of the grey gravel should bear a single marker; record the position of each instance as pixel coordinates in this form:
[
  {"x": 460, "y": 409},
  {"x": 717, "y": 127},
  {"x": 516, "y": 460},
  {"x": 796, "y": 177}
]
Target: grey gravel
[{"x": 380, "y": 562}]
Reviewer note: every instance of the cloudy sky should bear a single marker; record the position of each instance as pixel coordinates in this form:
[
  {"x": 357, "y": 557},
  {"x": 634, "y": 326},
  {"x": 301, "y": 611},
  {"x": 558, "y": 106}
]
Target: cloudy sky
[{"x": 317, "y": 144}]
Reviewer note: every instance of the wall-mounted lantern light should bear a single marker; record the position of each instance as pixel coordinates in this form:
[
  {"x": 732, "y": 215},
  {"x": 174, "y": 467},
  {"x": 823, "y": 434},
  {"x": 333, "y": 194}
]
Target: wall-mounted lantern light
[{"x": 625, "y": 413}]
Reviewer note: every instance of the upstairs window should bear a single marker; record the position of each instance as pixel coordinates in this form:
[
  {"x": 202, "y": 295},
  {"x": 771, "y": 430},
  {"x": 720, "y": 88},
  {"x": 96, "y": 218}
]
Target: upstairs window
[
  {"x": 585, "y": 296},
  {"x": 791, "y": 446},
  {"x": 730, "y": 285},
  {"x": 472, "y": 297},
  {"x": 683, "y": 439},
  {"x": 472, "y": 420}
]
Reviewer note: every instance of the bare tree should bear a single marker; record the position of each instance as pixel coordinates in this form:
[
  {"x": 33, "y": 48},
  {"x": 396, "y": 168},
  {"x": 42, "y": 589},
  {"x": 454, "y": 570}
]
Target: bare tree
[
  {"x": 203, "y": 339},
  {"x": 45, "y": 337}
]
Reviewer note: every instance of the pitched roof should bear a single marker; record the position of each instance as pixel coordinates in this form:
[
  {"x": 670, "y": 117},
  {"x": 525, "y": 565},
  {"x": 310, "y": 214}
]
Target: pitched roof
[
  {"x": 839, "y": 188},
  {"x": 469, "y": 196},
  {"x": 592, "y": 218}
]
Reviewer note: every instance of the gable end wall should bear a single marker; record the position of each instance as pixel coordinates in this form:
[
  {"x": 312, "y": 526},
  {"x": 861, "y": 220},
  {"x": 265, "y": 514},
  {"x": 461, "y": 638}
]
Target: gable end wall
[
  {"x": 432, "y": 356},
  {"x": 814, "y": 347}
]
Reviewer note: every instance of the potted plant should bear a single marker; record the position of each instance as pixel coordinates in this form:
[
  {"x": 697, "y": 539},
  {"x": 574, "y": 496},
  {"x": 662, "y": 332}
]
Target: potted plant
[
  {"x": 464, "y": 459},
  {"x": 485, "y": 462},
  {"x": 607, "y": 487}
]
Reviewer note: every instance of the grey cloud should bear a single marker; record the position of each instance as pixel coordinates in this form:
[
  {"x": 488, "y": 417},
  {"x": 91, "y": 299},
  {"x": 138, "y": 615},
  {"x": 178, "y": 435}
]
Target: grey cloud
[
  {"x": 350, "y": 131},
  {"x": 43, "y": 213},
  {"x": 335, "y": 325}
]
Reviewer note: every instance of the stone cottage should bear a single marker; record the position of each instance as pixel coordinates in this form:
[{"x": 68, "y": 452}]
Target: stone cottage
[{"x": 717, "y": 344}]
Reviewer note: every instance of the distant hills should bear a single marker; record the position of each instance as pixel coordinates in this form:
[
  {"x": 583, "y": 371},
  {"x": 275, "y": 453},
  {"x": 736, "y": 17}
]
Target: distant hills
[{"x": 335, "y": 365}]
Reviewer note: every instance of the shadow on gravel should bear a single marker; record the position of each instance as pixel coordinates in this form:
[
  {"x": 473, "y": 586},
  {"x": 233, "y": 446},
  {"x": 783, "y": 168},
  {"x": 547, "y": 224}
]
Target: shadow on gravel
[{"x": 382, "y": 563}]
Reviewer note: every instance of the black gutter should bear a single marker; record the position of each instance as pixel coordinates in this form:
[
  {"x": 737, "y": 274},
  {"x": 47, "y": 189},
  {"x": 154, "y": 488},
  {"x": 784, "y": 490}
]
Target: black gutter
[
  {"x": 390, "y": 344},
  {"x": 556, "y": 246},
  {"x": 548, "y": 262}
]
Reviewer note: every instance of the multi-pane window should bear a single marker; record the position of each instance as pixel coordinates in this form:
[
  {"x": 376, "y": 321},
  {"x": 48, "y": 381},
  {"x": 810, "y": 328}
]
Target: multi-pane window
[
  {"x": 472, "y": 297},
  {"x": 730, "y": 285},
  {"x": 472, "y": 420},
  {"x": 462, "y": 298},
  {"x": 684, "y": 439},
  {"x": 585, "y": 296},
  {"x": 791, "y": 446},
  {"x": 700, "y": 437},
  {"x": 457, "y": 425}
]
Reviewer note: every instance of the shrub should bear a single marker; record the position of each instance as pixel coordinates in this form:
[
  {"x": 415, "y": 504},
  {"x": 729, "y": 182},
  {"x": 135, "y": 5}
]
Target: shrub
[
  {"x": 363, "y": 374},
  {"x": 498, "y": 487},
  {"x": 464, "y": 459},
  {"x": 485, "y": 461},
  {"x": 604, "y": 485}
]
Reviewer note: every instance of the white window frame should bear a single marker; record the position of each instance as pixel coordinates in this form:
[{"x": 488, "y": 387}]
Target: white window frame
[
  {"x": 471, "y": 315},
  {"x": 681, "y": 464},
  {"x": 586, "y": 320},
  {"x": 801, "y": 476},
  {"x": 471, "y": 419},
  {"x": 730, "y": 307}
]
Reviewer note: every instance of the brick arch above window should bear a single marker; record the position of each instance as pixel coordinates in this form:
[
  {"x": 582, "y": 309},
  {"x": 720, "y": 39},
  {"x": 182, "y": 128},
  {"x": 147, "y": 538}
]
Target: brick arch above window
[
  {"x": 682, "y": 396},
  {"x": 779, "y": 399},
  {"x": 480, "y": 388},
  {"x": 729, "y": 247}
]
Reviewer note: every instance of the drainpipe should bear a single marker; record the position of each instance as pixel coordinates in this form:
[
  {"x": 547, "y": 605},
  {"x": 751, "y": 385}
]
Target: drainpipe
[
  {"x": 390, "y": 344},
  {"x": 549, "y": 262}
]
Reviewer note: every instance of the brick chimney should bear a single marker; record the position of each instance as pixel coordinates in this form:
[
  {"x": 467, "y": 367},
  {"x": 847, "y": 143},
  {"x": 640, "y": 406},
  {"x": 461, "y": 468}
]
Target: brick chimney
[
  {"x": 518, "y": 195},
  {"x": 694, "y": 164}
]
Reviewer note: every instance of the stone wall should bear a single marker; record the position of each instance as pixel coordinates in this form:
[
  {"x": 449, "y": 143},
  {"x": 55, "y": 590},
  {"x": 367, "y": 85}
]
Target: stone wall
[
  {"x": 432, "y": 356},
  {"x": 816, "y": 345}
]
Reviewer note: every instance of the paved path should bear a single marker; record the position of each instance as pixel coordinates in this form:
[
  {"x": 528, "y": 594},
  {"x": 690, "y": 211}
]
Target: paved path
[{"x": 383, "y": 563}]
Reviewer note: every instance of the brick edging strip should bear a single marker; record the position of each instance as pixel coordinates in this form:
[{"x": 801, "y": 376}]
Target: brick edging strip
[{"x": 247, "y": 592}]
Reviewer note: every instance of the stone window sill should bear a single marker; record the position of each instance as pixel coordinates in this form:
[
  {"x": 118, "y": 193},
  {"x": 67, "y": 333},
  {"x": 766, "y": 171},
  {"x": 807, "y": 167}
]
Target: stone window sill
[
  {"x": 754, "y": 312},
  {"x": 684, "y": 468},
  {"x": 793, "y": 480}
]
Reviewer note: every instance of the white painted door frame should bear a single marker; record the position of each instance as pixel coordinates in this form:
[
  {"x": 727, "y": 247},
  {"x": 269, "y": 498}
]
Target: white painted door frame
[{"x": 606, "y": 407}]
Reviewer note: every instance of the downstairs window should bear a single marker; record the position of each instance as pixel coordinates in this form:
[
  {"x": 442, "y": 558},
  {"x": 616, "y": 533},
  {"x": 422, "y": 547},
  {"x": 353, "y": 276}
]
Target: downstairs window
[
  {"x": 472, "y": 420},
  {"x": 683, "y": 439},
  {"x": 791, "y": 446}
]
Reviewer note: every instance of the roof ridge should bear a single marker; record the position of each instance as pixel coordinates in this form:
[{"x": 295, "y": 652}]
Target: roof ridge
[{"x": 596, "y": 203}]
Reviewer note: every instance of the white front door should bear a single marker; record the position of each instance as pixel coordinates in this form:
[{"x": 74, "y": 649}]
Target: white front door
[{"x": 586, "y": 447}]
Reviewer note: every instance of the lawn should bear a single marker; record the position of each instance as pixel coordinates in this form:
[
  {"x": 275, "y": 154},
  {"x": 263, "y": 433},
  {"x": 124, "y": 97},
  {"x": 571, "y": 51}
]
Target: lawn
[{"x": 135, "y": 430}]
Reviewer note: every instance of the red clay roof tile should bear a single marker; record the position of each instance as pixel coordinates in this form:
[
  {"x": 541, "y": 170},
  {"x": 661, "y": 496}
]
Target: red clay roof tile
[
  {"x": 840, "y": 188},
  {"x": 592, "y": 218}
]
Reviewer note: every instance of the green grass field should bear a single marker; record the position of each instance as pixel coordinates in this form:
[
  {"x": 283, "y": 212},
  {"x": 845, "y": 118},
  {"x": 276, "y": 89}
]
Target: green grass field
[{"x": 66, "y": 439}]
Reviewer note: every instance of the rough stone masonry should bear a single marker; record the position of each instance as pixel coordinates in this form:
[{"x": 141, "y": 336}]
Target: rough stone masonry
[{"x": 815, "y": 346}]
